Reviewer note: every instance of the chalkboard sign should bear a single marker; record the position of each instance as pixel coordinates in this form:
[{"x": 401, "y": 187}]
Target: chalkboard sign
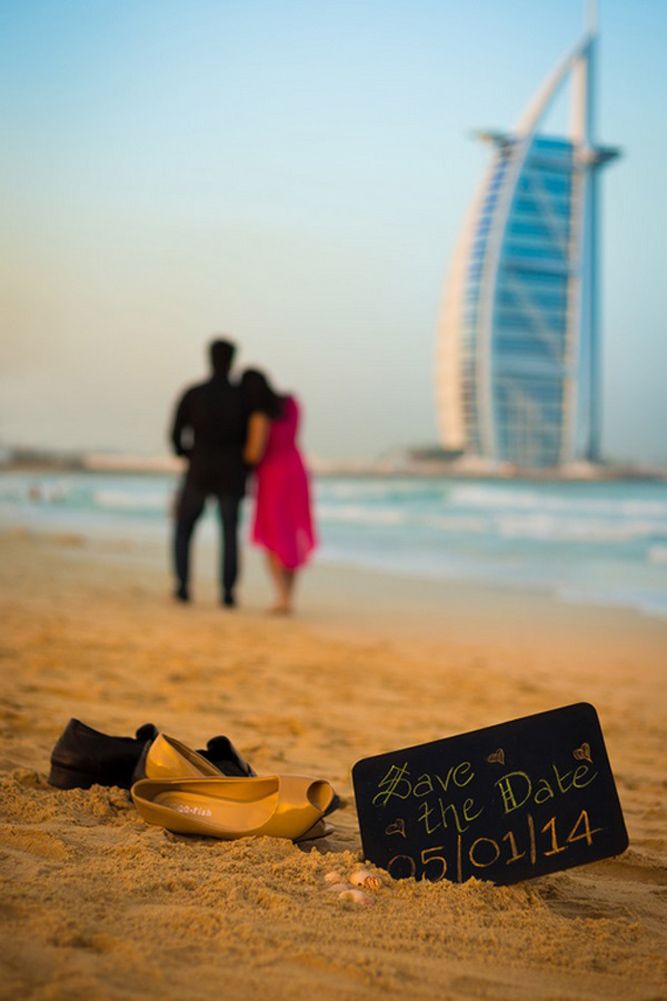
[{"x": 505, "y": 803}]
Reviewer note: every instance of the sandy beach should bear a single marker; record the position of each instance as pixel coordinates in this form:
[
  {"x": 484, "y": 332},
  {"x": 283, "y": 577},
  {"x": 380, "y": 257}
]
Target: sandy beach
[{"x": 97, "y": 904}]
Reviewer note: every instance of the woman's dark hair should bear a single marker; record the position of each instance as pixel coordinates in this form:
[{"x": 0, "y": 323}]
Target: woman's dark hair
[{"x": 259, "y": 394}]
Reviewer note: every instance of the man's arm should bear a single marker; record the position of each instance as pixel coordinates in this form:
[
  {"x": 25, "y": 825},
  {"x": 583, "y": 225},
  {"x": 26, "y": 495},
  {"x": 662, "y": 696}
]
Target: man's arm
[{"x": 181, "y": 422}]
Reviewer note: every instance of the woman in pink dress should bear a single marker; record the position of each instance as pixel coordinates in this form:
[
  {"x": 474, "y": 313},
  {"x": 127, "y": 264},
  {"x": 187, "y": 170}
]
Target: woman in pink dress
[{"x": 282, "y": 522}]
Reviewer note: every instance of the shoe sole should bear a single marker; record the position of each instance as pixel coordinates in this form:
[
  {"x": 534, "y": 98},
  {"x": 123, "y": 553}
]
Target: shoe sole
[{"x": 68, "y": 778}]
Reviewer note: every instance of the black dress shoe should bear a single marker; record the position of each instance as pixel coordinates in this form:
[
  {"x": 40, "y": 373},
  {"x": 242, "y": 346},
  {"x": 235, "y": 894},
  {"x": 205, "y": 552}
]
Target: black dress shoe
[
  {"x": 221, "y": 752},
  {"x": 84, "y": 757},
  {"x": 228, "y": 600}
]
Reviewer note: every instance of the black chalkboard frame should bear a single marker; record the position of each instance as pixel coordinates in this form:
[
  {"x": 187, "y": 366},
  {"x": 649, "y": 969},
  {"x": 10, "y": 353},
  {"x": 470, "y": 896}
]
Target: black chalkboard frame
[{"x": 457, "y": 808}]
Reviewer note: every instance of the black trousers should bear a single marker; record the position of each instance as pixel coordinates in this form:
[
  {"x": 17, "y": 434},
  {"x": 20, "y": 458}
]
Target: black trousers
[{"x": 189, "y": 507}]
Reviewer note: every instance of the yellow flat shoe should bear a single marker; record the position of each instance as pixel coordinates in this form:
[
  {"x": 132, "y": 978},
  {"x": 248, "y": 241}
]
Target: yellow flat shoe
[
  {"x": 168, "y": 758},
  {"x": 280, "y": 806}
]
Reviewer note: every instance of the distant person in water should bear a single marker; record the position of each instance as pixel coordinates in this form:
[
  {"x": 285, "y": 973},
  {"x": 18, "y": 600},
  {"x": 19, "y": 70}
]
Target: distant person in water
[
  {"x": 282, "y": 521},
  {"x": 209, "y": 429}
]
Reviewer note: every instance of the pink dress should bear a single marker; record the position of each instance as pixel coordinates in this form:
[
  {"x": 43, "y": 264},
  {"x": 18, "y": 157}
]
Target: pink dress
[{"x": 283, "y": 521}]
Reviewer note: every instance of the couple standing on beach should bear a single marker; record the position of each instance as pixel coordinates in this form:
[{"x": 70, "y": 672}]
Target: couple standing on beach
[{"x": 226, "y": 430}]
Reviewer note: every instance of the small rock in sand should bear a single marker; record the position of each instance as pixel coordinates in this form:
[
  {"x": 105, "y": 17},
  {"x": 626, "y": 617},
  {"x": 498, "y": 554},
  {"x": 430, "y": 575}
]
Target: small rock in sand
[
  {"x": 355, "y": 897},
  {"x": 334, "y": 877}
]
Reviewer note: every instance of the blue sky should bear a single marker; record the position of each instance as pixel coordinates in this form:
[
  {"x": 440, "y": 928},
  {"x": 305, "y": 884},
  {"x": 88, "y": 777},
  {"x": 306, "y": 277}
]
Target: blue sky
[{"x": 293, "y": 174}]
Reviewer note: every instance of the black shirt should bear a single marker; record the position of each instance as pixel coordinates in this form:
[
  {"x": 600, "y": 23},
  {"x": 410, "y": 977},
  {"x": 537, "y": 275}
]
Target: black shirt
[{"x": 210, "y": 428}]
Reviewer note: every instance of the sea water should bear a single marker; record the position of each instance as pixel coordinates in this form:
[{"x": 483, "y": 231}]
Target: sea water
[{"x": 603, "y": 543}]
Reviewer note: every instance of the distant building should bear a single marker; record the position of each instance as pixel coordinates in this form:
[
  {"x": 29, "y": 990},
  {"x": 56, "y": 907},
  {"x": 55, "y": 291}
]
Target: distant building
[{"x": 518, "y": 377}]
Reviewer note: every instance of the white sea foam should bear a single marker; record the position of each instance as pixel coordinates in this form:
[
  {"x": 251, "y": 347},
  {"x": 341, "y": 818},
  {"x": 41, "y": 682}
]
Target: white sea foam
[
  {"x": 361, "y": 515},
  {"x": 130, "y": 500},
  {"x": 657, "y": 555},
  {"x": 458, "y": 522},
  {"x": 502, "y": 497},
  {"x": 527, "y": 525},
  {"x": 362, "y": 488},
  {"x": 548, "y": 528}
]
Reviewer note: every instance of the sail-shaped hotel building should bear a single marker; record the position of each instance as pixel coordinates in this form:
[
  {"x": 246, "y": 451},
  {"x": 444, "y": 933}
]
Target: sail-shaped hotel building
[{"x": 518, "y": 369}]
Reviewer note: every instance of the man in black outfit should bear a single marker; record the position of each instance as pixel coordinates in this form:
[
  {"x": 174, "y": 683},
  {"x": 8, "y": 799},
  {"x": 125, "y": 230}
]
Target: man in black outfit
[{"x": 210, "y": 430}]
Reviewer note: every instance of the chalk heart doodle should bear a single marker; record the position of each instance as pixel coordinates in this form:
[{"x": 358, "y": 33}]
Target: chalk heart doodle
[
  {"x": 583, "y": 753},
  {"x": 497, "y": 758},
  {"x": 396, "y": 827}
]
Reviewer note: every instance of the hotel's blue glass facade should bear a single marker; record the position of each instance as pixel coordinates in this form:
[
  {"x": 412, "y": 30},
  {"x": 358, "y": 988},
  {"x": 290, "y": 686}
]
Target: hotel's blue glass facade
[
  {"x": 530, "y": 311},
  {"x": 523, "y": 327},
  {"x": 473, "y": 292}
]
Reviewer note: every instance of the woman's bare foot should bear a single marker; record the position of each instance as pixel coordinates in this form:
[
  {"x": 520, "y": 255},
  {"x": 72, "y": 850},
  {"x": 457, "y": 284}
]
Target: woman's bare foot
[{"x": 280, "y": 609}]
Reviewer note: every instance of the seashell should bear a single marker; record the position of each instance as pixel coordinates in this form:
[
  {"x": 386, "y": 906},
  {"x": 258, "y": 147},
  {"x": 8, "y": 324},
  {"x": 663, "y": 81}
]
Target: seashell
[
  {"x": 334, "y": 877},
  {"x": 365, "y": 878},
  {"x": 356, "y": 897},
  {"x": 338, "y": 887}
]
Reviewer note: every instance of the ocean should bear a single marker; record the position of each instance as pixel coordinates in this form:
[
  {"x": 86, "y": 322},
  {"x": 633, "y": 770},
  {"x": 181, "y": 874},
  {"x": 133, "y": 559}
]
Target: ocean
[{"x": 600, "y": 543}]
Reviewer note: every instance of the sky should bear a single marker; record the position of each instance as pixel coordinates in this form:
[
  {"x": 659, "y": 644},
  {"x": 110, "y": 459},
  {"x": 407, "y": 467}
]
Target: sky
[{"x": 292, "y": 174}]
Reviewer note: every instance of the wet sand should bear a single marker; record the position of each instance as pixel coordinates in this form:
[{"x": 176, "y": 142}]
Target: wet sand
[{"x": 97, "y": 904}]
